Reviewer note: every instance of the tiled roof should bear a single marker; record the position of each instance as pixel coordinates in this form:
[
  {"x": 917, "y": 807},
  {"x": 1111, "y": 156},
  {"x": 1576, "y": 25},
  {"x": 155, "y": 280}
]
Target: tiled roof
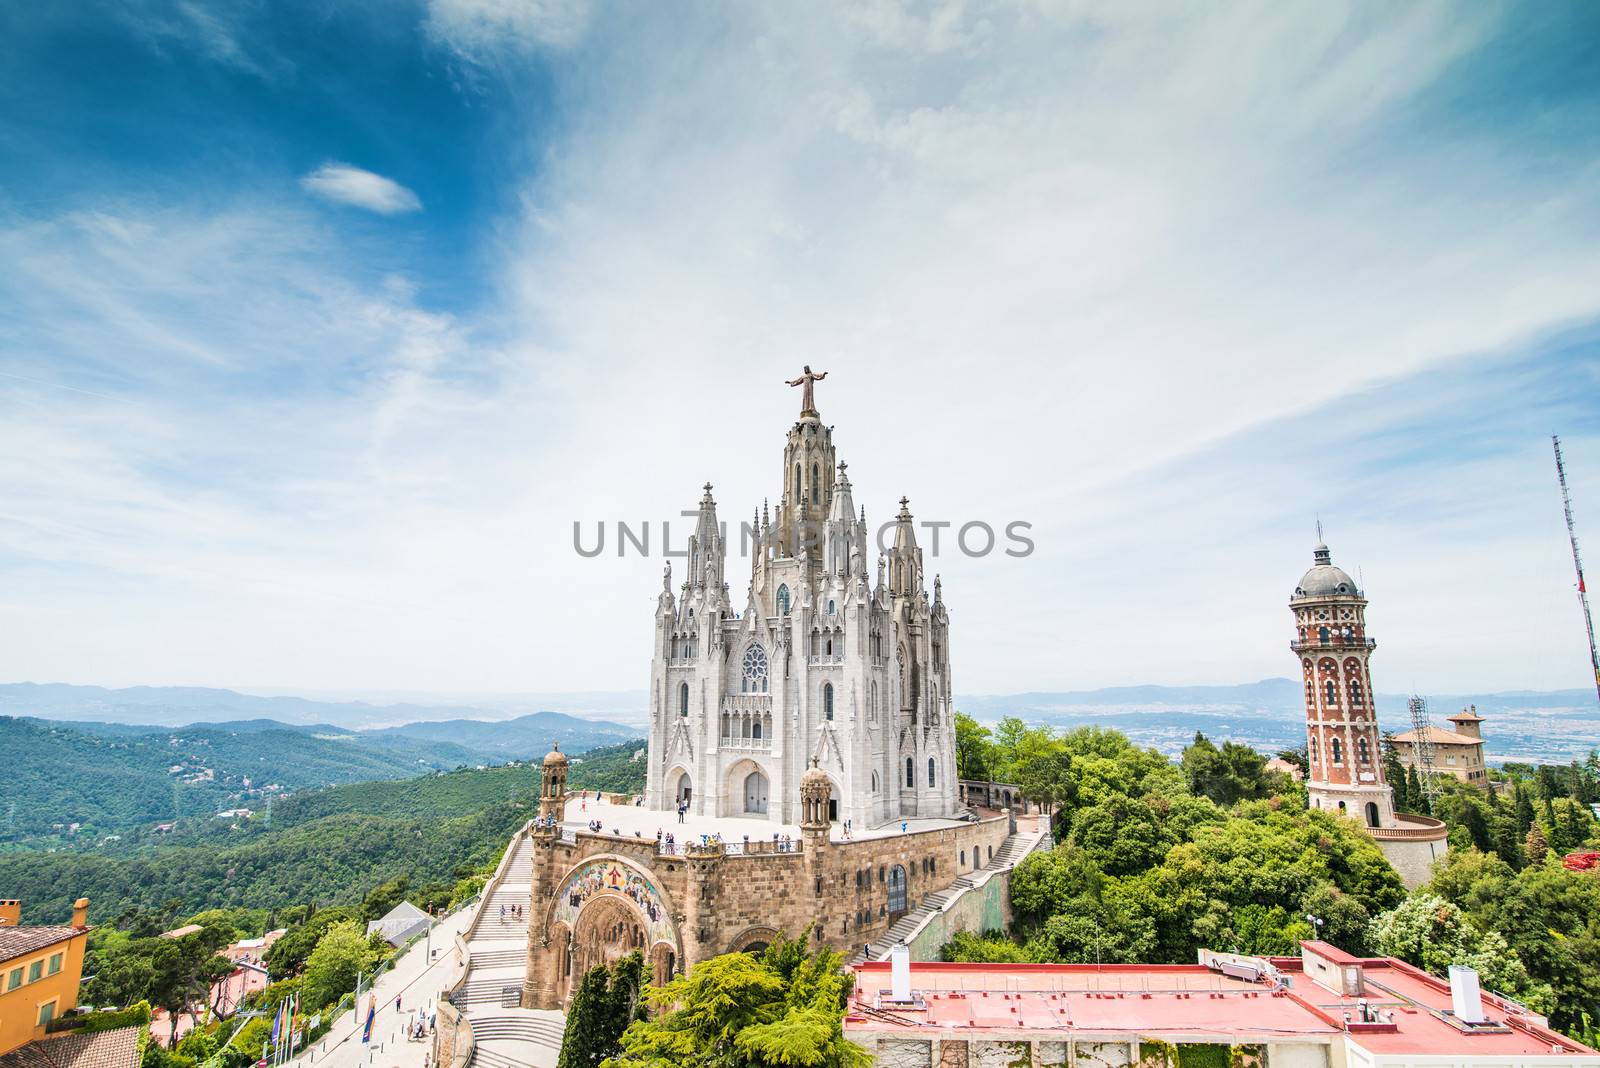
[
  {"x": 20, "y": 941},
  {"x": 104, "y": 1049},
  {"x": 1439, "y": 736}
]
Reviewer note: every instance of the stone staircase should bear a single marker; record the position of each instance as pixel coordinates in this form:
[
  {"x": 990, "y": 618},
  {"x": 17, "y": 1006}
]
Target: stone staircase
[
  {"x": 1015, "y": 848},
  {"x": 517, "y": 1038},
  {"x": 505, "y": 1036}
]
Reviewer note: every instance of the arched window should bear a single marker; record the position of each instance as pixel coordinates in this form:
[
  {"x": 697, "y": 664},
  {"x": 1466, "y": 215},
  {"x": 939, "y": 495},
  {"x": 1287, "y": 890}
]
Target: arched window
[
  {"x": 872, "y": 707},
  {"x": 930, "y": 773},
  {"x": 683, "y": 699},
  {"x": 1332, "y": 692},
  {"x": 816, "y": 491},
  {"x": 911, "y": 774},
  {"x": 897, "y": 890},
  {"x": 827, "y": 700},
  {"x": 827, "y": 647},
  {"x": 783, "y": 600},
  {"x": 1312, "y": 749},
  {"x": 874, "y": 782},
  {"x": 1338, "y": 752},
  {"x": 755, "y": 731},
  {"x": 799, "y": 494},
  {"x": 1363, "y": 754},
  {"x": 1355, "y": 691}
]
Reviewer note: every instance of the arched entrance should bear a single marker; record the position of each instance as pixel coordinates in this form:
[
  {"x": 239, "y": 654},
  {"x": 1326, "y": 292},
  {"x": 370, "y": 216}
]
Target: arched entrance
[
  {"x": 606, "y": 908},
  {"x": 1372, "y": 813},
  {"x": 682, "y": 788},
  {"x": 755, "y": 793}
]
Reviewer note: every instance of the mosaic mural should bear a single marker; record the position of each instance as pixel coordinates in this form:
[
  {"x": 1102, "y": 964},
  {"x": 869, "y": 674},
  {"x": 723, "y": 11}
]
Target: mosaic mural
[{"x": 609, "y": 877}]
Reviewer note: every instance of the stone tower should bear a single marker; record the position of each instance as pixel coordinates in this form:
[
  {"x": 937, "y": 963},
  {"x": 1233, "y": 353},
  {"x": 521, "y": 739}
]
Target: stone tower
[
  {"x": 821, "y": 665},
  {"x": 1342, "y": 739}
]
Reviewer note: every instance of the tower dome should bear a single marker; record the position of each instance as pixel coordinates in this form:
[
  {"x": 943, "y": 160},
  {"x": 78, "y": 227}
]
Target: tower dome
[
  {"x": 1325, "y": 580},
  {"x": 555, "y": 758}
]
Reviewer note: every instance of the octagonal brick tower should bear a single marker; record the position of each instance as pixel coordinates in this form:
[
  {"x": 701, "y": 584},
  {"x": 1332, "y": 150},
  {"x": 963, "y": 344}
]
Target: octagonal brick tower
[{"x": 1342, "y": 739}]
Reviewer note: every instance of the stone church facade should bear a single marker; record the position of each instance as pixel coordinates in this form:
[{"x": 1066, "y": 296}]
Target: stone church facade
[
  {"x": 820, "y": 663},
  {"x": 825, "y": 699}
]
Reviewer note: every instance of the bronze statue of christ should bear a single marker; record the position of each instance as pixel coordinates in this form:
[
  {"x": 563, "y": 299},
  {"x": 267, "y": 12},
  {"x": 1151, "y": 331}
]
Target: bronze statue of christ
[{"x": 808, "y": 403}]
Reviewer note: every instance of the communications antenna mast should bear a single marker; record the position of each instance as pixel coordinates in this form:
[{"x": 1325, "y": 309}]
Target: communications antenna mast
[
  {"x": 1424, "y": 747},
  {"x": 1577, "y": 562}
]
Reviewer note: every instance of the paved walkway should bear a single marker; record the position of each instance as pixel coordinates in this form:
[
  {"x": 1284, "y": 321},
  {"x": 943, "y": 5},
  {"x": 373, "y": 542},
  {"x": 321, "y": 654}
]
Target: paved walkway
[{"x": 416, "y": 981}]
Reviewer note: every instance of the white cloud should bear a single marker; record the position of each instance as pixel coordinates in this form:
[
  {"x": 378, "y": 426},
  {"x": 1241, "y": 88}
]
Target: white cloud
[
  {"x": 344, "y": 184},
  {"x": 482, "y": 29},
  {"x": 1078, "y": 265}
]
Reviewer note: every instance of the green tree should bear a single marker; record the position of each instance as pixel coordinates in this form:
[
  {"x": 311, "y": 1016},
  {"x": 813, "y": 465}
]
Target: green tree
[
  {"x": 1433, "y": 934},
  {"x": 582, "y": 1045},
  {"x": 606, "y": 1003},
  {"x": 991, "y": 947},
  {"x": 1122, "y": 835},
  {"x": 974, "y": 749},
  {"x": 1233, "y": 773},
  {"x": 343, "y": 952},
  {"x": 782, "y": 1008}
]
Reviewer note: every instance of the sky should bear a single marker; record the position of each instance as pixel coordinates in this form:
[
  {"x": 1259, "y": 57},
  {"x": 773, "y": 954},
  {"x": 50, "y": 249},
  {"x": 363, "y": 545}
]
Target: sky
[{"x": 321, "y": 325}]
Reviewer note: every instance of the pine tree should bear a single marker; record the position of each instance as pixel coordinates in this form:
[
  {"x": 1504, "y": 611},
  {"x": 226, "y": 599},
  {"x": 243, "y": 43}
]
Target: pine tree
[
  {"x": 1524, "y": 810},
  {"x": 1414, "y": 791},
  {"x": 581, "y": 1046},
  {"x": 1537, "y": 848}
]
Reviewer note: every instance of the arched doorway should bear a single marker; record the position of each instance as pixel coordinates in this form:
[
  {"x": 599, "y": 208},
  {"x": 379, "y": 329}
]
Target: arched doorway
[
  {"x": 1372, "y": 813},
  {"x": 897, "y": 891},
  {"x": 683, "y": 788},
  {"x": 607, "y": 930},
  {"x": 755, "y": 793}
]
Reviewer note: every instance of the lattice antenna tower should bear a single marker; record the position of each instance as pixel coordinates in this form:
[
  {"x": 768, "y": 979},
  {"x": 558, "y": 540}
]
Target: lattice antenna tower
[
  {"x": 1419, "y": 730},
  {"x": 1577, "y": 562}
]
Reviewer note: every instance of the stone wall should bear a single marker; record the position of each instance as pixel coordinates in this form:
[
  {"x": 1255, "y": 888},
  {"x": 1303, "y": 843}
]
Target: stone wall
[
  {"x": 720, "y": 900},
  {"x": 1413, "y": 858},
  {"x": 986, "y": 907}
]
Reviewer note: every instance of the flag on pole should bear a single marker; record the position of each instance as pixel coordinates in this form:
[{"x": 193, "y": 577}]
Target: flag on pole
[
  {"x": 372, "y": 1011},
  {"x": 277, "y": 1025}
]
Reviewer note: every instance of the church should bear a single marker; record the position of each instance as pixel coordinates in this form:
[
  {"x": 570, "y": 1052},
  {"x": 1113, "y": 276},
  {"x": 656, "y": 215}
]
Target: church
[
  {"x": 822, "y": 662},
  {"x": 802, "y": 771}
]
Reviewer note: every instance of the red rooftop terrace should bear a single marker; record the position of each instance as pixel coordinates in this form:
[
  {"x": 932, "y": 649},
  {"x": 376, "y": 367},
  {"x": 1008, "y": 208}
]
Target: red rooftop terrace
[{"x": 1323, "y": 1009}]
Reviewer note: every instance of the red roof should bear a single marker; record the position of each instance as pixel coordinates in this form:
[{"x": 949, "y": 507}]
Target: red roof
[{"x": 1190, "y": 1002}]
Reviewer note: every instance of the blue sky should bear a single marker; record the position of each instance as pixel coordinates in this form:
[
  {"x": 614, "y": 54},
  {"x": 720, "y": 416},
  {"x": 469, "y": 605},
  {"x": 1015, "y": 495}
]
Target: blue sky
[{"x": 321, "y": 324}]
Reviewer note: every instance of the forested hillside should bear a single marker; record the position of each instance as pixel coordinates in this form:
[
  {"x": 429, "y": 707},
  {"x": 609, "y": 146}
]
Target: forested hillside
[
  {"x": 120, "y": 783},
  {"x": 329, "y": 846}
]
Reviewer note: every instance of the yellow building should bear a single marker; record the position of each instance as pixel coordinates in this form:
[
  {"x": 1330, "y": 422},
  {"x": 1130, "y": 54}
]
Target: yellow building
[
  {"x": 40, "y": 968},
  {"x": 1458, "y": 752}
]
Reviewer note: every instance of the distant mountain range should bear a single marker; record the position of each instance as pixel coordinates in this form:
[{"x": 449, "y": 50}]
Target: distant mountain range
[
  {"x": 172, "y": 706},
  {"x": 1522, "y": 725}
]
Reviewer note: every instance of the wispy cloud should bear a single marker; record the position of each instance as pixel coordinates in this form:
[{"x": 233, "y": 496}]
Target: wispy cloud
[
  {"x": 344, "y": 184},
  {"x": 483, "y": 29},
  {"x": 1165, "y": 283}
]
